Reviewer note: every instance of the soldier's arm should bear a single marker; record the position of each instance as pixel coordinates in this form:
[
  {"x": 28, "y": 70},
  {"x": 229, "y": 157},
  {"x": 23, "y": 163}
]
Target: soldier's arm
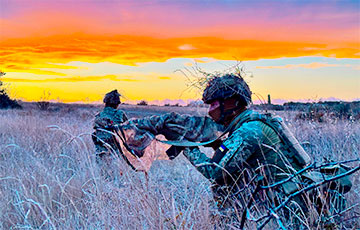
[
  {"x": 232, "y": 153},
  {"x": 176, "y": 126}
]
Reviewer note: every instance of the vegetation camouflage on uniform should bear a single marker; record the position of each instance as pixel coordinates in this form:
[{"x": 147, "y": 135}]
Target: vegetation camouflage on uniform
[{"x": 103, "y": 120}]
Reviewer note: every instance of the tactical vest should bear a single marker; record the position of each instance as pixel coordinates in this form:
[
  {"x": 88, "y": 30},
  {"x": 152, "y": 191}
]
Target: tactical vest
[
  {"x": 290, "y": 147},
  {"x": 293, "y": 150}
]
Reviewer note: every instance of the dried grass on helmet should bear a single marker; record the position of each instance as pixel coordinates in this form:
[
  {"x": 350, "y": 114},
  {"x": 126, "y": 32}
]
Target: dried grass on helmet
[{"x": 213, "y": 82}]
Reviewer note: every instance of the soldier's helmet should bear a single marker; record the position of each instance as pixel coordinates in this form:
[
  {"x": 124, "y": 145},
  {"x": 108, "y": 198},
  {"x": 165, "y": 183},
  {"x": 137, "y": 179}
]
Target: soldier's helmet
[
  {"x": 226, "y": 86},
  {"x": 112, "y": 97}
]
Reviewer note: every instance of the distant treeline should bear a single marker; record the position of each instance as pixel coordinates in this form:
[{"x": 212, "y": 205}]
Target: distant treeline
[
  {"x": 5, "y": 101},
  {"x": 336, "y": 109}
]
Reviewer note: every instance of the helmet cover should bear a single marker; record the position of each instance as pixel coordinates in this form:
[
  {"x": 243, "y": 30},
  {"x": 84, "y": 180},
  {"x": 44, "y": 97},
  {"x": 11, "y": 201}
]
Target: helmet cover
[
  {"x": 226, "y": 86},
  {"x": 112, "y": 97}
]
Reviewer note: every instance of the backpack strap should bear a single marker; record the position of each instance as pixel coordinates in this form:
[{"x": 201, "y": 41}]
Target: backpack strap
[{"x": 264, "y": 119}]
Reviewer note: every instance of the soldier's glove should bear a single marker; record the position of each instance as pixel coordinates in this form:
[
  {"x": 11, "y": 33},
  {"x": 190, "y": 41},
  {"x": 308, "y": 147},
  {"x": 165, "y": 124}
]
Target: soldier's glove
[{"x": 174, "y": 151}]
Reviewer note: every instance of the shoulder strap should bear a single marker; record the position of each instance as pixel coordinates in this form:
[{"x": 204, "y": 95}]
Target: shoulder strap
[{"x": 264, "y": 118}]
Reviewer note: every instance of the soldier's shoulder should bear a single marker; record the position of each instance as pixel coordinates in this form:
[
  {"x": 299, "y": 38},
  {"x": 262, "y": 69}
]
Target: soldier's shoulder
[
  {"x": 120, "y": 112},
  {"x": 249, "y": 124},
  {"x": 103, "y": 118},
  {"x": 99, "y": 115},
  {"x": 108, "y": 112},
  {"x": 251, "y": 112},
  {"x": 248, "y": 128}
]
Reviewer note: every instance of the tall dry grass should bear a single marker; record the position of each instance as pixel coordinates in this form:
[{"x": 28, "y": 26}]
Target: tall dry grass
[{"x": 49, "y": 178}]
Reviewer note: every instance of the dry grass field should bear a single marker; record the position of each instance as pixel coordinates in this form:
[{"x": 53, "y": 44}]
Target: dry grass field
[{"x": 49, "y": 178}]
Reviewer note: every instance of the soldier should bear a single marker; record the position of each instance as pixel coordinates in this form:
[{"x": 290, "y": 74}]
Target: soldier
[
  {"x": 253, "y": 145},
  {"x": 257, "y": 156},
  {"x": 260, "y": 153},
  {"x": 258, "y": 149},
  {"x": 104, "y": 141}
]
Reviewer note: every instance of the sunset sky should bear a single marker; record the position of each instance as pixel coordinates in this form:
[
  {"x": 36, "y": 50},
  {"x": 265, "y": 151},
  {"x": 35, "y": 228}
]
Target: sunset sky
[{"x": 148, "y": 50}]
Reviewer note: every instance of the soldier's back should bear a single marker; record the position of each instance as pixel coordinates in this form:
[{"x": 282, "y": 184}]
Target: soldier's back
[
  {"x": 109, "y": 116},
  {"x": 102, "y": 123}
]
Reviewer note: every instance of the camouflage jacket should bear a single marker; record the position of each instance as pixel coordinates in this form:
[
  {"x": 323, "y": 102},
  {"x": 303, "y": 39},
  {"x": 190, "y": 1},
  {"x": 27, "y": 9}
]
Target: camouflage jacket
[
  {"x": 176, "y": 126},
  {"x": 252, "y": 145},
  {"x": 248, "y": 145},
  {"x": 108, "y": 117}
]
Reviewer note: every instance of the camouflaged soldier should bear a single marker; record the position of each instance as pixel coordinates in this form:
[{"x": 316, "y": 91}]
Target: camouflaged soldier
[
  {"x": 254, "y": 139},
  {"x": 110, "y": 116},
  {"x": 259, "y": 149}
]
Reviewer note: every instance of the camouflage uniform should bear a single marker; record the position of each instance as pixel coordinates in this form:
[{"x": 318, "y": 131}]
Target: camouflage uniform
[
  {"x": 103, "y": 120},
  {"x": 240, "y": 150},
  {"x": 254, "y": 154},
  {"x": 175, "y": 126},
  {"x": 249, "y": 146},
  {"x": 251, "y": 150},
  {"x": 244, "y": 148},
  {"x": 104, "y": 141}
]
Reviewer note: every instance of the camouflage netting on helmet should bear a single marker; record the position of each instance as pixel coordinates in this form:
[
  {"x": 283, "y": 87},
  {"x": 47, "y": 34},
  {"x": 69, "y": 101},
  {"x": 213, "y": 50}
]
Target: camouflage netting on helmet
[
  {"x": 142, "y": 135},
  {"x": 226, "y": 86},
  {"x": 112, "y": 97}
]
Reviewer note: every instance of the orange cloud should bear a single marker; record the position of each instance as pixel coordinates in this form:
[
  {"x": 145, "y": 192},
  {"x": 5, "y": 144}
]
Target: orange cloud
[
  {"x": 69, "y": 79},
  {"x": 35, "y": 55},
  {"x": 39, "y": 39}
]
